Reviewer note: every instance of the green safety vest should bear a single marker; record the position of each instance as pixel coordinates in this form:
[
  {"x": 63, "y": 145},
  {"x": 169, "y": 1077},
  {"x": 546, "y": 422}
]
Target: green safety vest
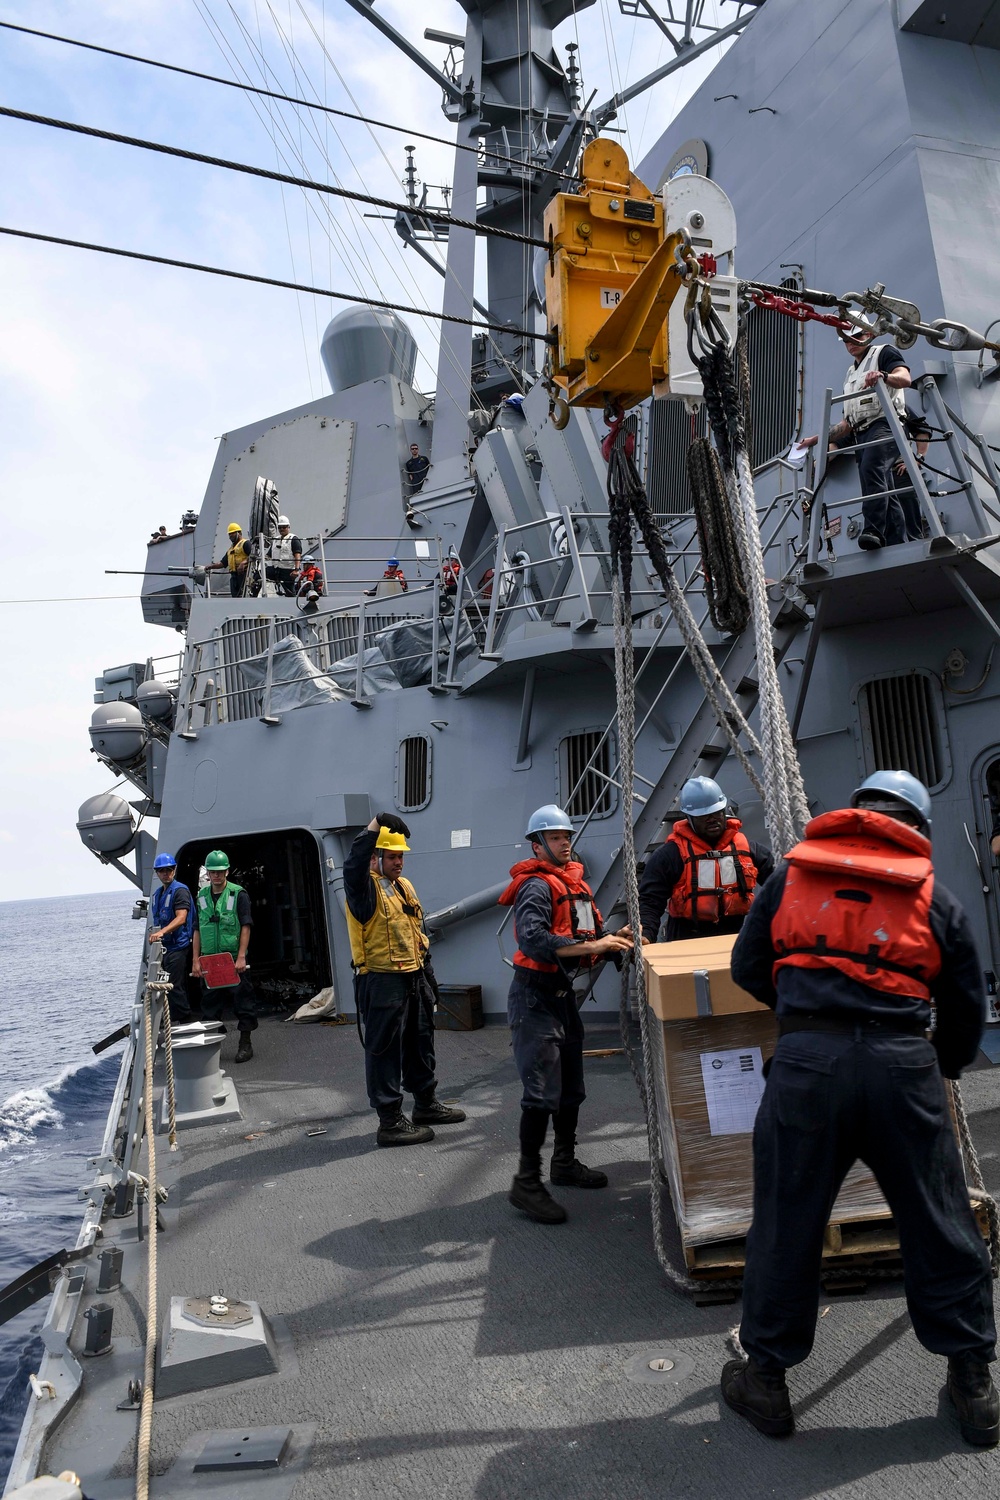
[{"x": 218, "y": 924}]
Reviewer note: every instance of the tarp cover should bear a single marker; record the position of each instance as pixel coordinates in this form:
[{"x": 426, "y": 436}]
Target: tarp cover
[
  {"x": 407, "y": 647},
  {"x": 295, "y": 681}
]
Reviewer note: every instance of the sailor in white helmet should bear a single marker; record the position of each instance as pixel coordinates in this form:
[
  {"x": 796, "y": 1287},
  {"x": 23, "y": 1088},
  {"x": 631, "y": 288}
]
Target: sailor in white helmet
[
  {"x": 559, "y": 932},
  {"x": 865, "y": 429},
  {"x": 704, "y": 876},
  {"x": 284, "y": 556}
]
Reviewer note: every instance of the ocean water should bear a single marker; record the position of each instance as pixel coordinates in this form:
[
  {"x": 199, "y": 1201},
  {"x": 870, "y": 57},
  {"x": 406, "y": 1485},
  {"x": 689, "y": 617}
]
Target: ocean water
[{"x": 67, "y": 978}]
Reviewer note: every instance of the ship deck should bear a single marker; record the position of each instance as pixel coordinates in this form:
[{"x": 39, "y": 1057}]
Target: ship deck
[{"x": 435, "y": 1343}]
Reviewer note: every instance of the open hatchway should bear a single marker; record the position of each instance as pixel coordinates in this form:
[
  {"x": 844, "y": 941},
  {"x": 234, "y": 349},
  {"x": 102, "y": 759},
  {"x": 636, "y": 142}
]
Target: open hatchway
[{"x": 289, "y": 951}]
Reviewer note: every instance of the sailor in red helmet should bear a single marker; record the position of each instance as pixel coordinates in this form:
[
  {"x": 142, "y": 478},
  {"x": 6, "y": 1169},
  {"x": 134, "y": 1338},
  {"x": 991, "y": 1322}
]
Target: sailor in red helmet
[
  {"x": 851, "y": 941},
  {"x": 705, "y": 874},
  {"x": 559, "y": 932}
]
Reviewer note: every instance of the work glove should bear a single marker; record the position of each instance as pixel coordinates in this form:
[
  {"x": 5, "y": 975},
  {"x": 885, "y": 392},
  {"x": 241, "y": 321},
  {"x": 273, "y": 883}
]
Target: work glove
[{"x": 394, "y": 824}]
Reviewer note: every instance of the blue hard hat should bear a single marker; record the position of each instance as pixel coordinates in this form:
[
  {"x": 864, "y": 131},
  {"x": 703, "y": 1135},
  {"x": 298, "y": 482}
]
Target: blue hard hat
[
  {"x": 393, "y": 562},
  {"x": 164, "y": 862},
  {"x": 701, "y": 796},
  {"x": 547, "y": 819},
  {"x": 895, "y": 786}
]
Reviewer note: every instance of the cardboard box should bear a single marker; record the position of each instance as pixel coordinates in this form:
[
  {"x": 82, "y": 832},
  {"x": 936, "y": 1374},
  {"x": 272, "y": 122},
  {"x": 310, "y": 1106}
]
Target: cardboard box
[
  {"x": 709, "y": 1079},
  {"x": 673, "y": 991}
]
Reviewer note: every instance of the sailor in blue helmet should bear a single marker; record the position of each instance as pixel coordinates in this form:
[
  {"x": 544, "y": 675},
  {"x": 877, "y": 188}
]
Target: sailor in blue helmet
[
  {"x": 559, "y": 933},
  {"x": 705, "y": 874},
  {"x": 173, "y": 925},
  {"x": 852, "y": 941}
]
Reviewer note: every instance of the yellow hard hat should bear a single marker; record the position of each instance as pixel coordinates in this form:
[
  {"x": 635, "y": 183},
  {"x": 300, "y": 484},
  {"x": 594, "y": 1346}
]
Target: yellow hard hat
[
  {"x": 395, "y": 843},
  {"x": 234, "y": 527}
]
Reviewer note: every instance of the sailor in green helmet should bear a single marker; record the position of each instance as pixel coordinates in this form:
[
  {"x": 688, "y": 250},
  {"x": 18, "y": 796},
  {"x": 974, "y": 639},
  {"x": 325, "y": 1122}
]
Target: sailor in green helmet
[{"x": 224, "y": 922}]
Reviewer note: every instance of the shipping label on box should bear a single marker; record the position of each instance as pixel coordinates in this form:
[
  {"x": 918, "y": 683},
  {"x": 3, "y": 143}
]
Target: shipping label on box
[{"x": 734, "y": 1087}]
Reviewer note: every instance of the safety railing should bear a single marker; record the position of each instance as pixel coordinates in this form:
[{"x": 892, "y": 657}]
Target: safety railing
[
  {"x": 954, "y": 470},
  {"x": 344, "y": 652}
]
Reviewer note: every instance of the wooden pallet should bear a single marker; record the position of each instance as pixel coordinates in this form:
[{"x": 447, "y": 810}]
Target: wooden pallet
[{"x": 860, "y": 1244}]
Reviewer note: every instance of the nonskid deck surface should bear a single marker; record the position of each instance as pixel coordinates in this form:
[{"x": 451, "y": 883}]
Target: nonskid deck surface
[{"x": 443, "y": 1345}]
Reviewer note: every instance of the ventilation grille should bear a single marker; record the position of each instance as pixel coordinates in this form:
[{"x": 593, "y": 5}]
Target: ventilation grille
[
  {"x": 413, "y": 773},
  {"x": 901, "y": 726},
  {"x": 585, "y": 788},
  {"x": 773, "y": 352},
  {"x": 672, "y": 429}
]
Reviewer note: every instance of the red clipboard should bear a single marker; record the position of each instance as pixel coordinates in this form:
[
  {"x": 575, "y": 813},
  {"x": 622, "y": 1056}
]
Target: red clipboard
[{"x": 219, "y": 970}]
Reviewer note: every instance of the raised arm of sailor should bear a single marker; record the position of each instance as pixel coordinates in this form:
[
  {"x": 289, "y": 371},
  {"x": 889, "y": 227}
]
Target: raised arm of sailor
[
  {"x": 359, "y": 888},
  {"x": 662, "y": 872}
]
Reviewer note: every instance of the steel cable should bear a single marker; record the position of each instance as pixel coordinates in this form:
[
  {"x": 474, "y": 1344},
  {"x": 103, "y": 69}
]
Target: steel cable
[{"x": 437, "y": 216}]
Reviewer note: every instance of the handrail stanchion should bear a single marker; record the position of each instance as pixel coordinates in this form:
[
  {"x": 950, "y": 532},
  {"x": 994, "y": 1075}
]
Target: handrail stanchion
[
  {"x": 815, "y": 518},
  {"x": 487, "y": 652},
  {"x": 587, "y": 620},
  {"x": 455, "y": 621},
  {"x": 906, "y": 453},
  {"x": 359, "y": 700},
  {"x": 435, "y": 685},
  {"x": 266, "y": 716}
]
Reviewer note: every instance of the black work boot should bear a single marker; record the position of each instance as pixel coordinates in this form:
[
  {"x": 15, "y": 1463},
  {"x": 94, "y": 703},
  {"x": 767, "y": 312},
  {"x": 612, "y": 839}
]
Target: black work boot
[
  {"x": 975, "y": 1399},
  {"x": 397, "y": 1130},
  {"x": 759, "y": 1396},
  {"x": 433, "y": 1112},
  {"x": 566, "y": 1171},
  {"x": 528, "y": 1193},
  {"x": 244, "y": 1051}
]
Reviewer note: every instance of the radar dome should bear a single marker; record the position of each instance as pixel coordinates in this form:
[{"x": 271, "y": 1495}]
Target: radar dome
[
  {"x": 362, "y": 343},
  {"x": 104, "y": 824}
]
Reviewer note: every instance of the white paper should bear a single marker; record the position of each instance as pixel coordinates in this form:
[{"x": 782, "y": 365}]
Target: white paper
[
  {"x": 796, "y": 456},
  {"x": 461, "y": 838},
  {"x": 734, "y": 1083}
]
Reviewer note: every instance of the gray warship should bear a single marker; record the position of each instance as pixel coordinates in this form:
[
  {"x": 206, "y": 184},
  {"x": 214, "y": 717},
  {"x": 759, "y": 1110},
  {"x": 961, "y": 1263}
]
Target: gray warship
[{"x": 418, "y": 1337}]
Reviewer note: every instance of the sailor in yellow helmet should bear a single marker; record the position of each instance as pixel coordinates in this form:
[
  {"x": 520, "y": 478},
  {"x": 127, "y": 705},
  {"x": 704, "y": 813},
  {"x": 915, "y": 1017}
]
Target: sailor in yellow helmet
[
  {"x": 236, "y": 559},
  {"x": 393, "y": 985}
]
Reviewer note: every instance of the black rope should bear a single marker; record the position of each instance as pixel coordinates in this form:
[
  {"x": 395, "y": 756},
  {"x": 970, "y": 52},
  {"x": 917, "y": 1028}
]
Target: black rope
[
  {"x": 326, "y": 109},
  {"x": 434, "y": 215},
  {"x": 725, "y": 586},
  {"x": 627, "y": 499},
  {"x": 291, "y": 286}
]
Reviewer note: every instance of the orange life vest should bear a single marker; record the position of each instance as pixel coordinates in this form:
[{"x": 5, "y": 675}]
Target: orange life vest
[
  {"x": 857, "y": 898},
  {"x": 716, "y": 880},
  {"x": 574, "y": 915}
]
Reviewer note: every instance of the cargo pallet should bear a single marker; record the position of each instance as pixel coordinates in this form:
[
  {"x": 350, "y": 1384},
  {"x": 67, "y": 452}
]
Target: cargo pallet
[{"x": 868, "y": 1243}]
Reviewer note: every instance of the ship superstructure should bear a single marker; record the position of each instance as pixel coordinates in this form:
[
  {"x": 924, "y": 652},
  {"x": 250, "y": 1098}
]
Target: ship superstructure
[{"x": 860, "y": 146}]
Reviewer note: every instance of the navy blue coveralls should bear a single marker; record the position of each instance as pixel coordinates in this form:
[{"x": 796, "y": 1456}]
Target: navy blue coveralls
[
  {"x": 859, "y": 1080},
  {"x": 167, "y": 902},
  {"x": 395, "y": 1011},
  {"x": 545, "y": 1025}
]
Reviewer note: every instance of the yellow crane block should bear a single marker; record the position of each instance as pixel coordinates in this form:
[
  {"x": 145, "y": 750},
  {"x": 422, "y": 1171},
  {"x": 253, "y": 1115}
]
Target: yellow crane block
[{"x": 610, "y": 280}]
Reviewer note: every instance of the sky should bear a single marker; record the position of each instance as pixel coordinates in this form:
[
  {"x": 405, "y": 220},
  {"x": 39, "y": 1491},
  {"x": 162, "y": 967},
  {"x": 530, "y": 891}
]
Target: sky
[{"x": 118, "y": 378}]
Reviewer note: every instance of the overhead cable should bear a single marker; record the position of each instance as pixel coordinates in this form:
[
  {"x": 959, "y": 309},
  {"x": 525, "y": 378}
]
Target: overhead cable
[
  {"x": 291, "y": 286},
  {"x": 304, "y": 182},
  {"x": 249, "y": 88}
]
